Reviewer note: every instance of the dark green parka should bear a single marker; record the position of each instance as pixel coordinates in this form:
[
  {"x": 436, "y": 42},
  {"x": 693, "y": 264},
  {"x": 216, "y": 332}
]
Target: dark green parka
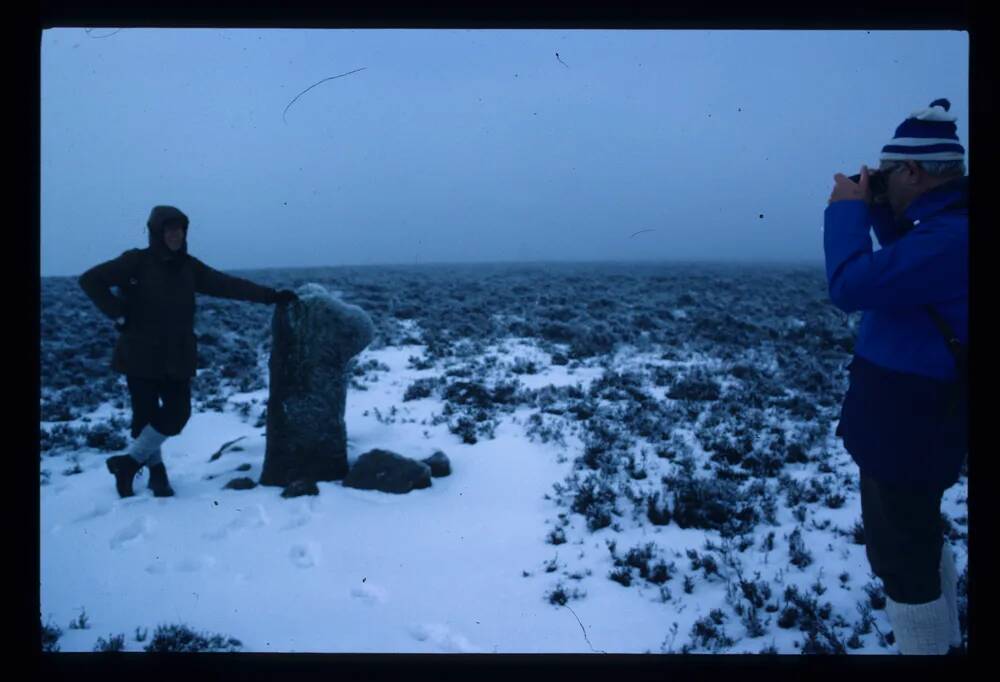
[{"x": 157, "y": 289}]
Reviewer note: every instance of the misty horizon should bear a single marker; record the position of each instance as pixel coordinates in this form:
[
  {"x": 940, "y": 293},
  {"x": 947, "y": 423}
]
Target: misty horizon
[{"x": 649, "y": 263}]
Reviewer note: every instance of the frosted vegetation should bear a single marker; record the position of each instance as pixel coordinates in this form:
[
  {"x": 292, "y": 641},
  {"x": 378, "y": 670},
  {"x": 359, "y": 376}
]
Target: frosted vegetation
[{"x": 686, "y": 397}]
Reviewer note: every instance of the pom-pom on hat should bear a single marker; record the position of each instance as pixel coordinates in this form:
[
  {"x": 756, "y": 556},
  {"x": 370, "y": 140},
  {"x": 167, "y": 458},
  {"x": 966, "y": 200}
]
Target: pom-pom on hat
[{"x": 927, "y": 135}]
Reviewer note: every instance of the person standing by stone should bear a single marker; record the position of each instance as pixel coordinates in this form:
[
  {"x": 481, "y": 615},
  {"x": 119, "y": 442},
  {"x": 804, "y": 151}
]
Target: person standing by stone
[
  {"x": 156, "y": 349},
  {"x": 904, "y": 419}
]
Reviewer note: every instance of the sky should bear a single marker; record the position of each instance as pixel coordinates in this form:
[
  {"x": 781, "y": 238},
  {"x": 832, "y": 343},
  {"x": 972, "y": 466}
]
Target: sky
[{"x": 469, "y": 145}]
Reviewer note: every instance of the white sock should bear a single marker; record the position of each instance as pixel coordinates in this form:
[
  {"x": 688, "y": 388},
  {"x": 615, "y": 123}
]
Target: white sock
[
  {"x": 147, "y": 444},
  {"x": 949, "y": 588},
  {"x": 920, "y": 629}
]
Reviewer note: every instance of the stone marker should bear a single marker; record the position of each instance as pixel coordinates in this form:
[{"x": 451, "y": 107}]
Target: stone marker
[{"x": 313, "y": 340}]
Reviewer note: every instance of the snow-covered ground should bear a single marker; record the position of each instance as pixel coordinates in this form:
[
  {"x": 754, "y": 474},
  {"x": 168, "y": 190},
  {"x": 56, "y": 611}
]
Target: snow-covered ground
[{"x": 463, "y": 566}]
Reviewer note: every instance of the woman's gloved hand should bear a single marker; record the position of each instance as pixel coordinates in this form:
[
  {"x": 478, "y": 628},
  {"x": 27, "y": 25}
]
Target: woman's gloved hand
[{"x": 285, "y": 296}]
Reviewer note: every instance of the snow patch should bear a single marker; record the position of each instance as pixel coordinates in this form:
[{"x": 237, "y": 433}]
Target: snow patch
[
  {"x": 305, "y": 555},
  {"x": 443, "y": 638},
  {"x": 133, "y": 533},
  {"x": 370, "y": 594}
]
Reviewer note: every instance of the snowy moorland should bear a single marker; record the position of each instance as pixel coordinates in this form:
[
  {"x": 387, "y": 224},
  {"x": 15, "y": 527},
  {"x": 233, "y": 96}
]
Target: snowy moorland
[{"x": 643, "y": 461}]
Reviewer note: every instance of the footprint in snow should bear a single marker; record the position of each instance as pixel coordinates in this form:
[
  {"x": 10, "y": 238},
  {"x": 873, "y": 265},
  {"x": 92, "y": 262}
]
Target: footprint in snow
[
  {"x": 139, "y": 499},
  {"x": 370, "y": 594},
  {"x": 302, "y": 514},
  {"x": 305, "y": 555},
  {"x": 295, "y": 522},
  {"x": 194, "y": 564},
  {"x": 216, "y": 535},
  {"x": 157, "y": 567},
  {"x": 99, "y": 509},
  {"x": 251, "y": 517},
  {"x": 443, "y": 638},
  {"x": 132, "y": 533}
]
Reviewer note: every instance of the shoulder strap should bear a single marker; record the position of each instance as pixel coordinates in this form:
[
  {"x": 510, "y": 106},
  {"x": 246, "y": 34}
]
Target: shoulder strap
[{"x": 954, "y": 345}]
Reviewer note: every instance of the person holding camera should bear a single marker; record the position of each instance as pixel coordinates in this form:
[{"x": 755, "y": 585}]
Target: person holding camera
[
  {"x": 156, "y": 348},
  {"x": 904, "y": 419}
]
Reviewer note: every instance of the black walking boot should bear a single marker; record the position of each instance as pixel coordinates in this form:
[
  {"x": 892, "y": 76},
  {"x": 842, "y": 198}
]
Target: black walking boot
[
  {"x": 158, "y": 482},
  {"x": 124, "y": 469}
]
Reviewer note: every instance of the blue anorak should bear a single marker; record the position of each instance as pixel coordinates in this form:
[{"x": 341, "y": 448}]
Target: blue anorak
[{"x": 905, "y": 415}]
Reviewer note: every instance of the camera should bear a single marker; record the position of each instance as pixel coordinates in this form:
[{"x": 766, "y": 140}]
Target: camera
[{"x": 877, "y": 182}]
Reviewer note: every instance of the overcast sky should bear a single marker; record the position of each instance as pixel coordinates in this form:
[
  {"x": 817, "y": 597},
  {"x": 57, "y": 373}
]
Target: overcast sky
[{"x": 469, "y": 145}]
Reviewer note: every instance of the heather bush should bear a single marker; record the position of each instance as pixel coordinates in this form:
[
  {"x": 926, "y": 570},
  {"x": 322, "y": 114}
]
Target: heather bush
[{"x": 181, "y": 638}]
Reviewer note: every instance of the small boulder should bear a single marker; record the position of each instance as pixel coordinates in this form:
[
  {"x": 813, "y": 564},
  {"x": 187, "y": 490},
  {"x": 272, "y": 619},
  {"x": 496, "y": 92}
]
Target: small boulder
[
  {"x": 242, "y": 483},
  {"x": 246, "y": 466},
  {"x": 300, "y": 487},
  {"x": 439, "y": 464},
  {"x": 388, "y": 472}
]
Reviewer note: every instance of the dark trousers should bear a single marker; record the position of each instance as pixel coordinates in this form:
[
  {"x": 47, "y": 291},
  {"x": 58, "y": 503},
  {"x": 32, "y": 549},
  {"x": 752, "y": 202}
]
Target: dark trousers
[
  {"x": 166, "y": 404},
  {"x": 903, "y": 538}
]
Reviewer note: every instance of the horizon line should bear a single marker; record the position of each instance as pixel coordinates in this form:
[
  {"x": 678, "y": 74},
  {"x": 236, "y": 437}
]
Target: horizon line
[{"x": 399, "y": 264}]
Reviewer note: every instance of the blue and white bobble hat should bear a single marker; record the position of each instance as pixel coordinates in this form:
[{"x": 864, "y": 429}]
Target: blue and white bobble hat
[{"x": 927, "y": 135}]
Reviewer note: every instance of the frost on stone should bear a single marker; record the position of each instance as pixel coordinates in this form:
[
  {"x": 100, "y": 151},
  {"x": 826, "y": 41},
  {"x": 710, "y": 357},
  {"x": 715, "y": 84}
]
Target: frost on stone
[{"x": 313, "y": 342}]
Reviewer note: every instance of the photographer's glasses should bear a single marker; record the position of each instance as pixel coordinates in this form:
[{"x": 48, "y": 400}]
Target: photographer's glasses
[{"x": 890, "y": 167}]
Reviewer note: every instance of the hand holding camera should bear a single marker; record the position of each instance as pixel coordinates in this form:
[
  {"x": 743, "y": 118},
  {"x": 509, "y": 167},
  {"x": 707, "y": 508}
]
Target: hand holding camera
[
  {"x": 867, "y": 186},
  {"x": 877, "y": 184}
]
